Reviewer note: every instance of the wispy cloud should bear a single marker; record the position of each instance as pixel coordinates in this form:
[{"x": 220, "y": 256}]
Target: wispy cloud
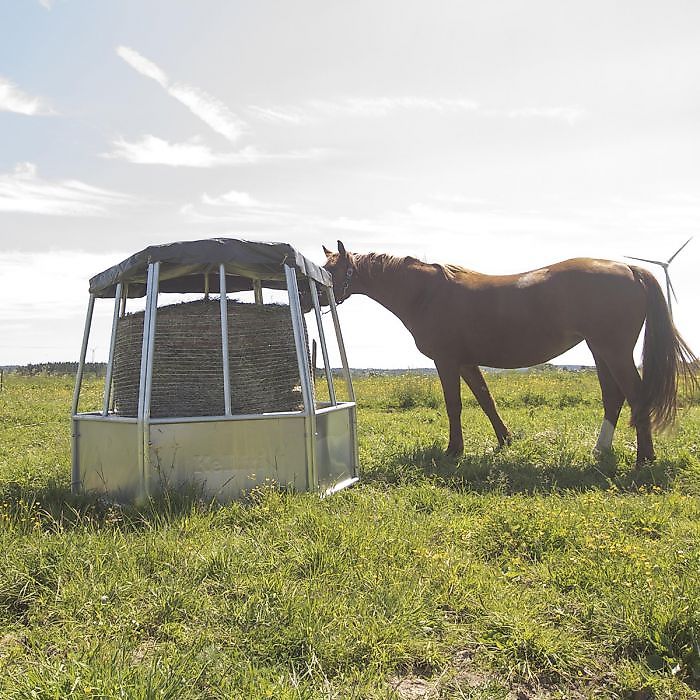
[
  {"x": 209, "y": 109},
  {"x": 314, "y": 111},
  {"x": 567, "y": 114},
  {"x": 152, "y": 150},
  {"x": 24, "y": 191},
  {"x": 231, "y": 198},
  {"x": 235, "y": 207},
  {"x": 12, "y": 99},
  {"x": 46, "y": 4}
]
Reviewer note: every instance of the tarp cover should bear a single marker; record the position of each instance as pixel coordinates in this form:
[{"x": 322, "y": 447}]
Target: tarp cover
[{"x": 185, "y": 266}]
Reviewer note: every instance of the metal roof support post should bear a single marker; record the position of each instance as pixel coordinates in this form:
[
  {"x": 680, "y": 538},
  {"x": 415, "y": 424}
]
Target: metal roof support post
[
  {"x": 223, "y": 303},
  {"x": 348, "y": 378},
  {"x": 146, "y": 378},
  {"x": 125, "y": 295},
  {"x": 75, "y": 467},
  {"x": 257, "y": 289},
  {"x": 112, "y": 344},
  {"x": 341, "y": 344},
  {"x": 322, "y": 338},
  {"x": 304, "y": 376}
]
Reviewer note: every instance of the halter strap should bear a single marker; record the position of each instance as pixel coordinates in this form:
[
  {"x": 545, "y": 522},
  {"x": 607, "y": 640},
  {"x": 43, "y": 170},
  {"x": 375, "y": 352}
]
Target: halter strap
[{"x": 345, "y": 291}]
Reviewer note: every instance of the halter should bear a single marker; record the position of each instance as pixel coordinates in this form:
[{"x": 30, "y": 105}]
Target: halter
[{"x": 344, "y": 292}]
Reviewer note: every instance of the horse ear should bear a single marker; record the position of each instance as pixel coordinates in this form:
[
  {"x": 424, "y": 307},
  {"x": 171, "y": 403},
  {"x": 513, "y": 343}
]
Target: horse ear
[
  {"x": 327, "y": 252},
  {"x": 341, "y": 249}
]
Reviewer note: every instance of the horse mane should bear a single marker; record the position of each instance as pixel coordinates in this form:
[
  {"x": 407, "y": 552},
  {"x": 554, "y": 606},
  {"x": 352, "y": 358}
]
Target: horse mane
[{"x": 372, "y": 265}]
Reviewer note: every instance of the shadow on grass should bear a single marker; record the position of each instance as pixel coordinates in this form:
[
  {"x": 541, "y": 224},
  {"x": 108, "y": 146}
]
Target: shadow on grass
[
  {"x": 509, "y": 472},
  {"x": 53, "y": 506}
]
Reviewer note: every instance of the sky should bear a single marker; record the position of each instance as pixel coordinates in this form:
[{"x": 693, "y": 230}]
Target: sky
[{"x": 500, "y": 136}]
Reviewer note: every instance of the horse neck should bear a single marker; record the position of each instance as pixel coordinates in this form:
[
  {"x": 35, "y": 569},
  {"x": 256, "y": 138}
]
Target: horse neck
[{"x": 395, "y": 286}]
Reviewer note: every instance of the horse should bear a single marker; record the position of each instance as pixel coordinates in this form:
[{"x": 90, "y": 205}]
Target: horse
[{"x": 462, "y": 319}]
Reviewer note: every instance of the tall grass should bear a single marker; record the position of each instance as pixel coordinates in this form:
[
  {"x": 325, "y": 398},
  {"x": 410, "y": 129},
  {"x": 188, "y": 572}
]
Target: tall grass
[{"x": 528, "y": 570}]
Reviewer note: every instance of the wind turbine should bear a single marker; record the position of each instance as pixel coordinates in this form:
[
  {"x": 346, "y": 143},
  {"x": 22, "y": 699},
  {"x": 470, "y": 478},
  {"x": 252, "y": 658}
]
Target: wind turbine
[{"x": 665, "y": 264}]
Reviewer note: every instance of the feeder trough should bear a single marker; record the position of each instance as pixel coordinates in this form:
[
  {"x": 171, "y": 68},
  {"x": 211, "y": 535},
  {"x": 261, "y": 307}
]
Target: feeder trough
[{"x": 213, "y": 394}]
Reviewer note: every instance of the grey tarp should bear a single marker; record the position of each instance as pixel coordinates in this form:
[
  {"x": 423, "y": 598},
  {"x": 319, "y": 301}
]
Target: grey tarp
[{"x": 185, "y": 265}]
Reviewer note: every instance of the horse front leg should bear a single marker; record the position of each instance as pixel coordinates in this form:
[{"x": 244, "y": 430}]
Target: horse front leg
[
  {"x": 448, "y": 371},
  {"x": 475, "y": 381}
]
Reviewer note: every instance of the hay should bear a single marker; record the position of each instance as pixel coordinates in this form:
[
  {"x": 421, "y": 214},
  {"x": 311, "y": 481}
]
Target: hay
[{"x": 187, "y": 364}]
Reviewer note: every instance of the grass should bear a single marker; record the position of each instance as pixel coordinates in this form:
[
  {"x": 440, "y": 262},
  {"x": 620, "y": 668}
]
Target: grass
[{"x": 532, "y": 570}]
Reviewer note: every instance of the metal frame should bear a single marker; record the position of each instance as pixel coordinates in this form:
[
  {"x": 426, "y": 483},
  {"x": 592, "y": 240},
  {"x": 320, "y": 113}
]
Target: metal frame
[
  {"x": 223, "y": 305},
  {"x": 75, "y": 468},
  {"x": 307, "y": 388},
  {"x": 341, "y": 344},
  {"x": 322, "y": 338},
  {"x": 146, "y": 379},
  {"x": 327, "y": 453},
  {"x": 112, "y": 344}
]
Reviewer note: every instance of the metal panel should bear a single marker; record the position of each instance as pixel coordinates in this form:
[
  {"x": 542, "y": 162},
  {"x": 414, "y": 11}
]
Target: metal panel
[
  {"x": 225, "y": 458},
  {"x": 107, "y": 458},
  {"x": 335, "y": 449}
]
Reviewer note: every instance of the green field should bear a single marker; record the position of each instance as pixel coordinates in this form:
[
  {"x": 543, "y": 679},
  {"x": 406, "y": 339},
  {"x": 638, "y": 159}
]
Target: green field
[{"x": 529, "y": 572}]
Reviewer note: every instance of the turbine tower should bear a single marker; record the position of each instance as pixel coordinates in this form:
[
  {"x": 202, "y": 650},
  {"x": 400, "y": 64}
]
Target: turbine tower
[{"x": 665, "y": 265}]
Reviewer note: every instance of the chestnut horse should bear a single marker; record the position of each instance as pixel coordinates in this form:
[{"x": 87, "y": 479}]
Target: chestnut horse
[{"x": 462, "y": 319}]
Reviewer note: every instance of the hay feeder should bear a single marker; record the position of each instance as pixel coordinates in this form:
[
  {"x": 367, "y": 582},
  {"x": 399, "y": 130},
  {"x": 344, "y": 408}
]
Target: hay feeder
[{"x": 213, "y": 394}]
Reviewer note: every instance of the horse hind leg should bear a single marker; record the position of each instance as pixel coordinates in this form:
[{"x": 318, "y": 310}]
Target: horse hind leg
[
  {"x": 475, "y": 381},
  {"x": 613, "y": 398},
  {"x": 623, "y": 370}
]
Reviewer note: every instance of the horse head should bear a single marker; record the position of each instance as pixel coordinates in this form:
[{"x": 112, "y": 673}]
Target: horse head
[
  {"x": 342, "y": 268},
  {"x": 341, "y": 265}
]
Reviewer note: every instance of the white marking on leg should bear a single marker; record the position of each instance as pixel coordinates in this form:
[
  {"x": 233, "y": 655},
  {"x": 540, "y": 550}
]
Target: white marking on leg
[{"x": 605, "y": 437}]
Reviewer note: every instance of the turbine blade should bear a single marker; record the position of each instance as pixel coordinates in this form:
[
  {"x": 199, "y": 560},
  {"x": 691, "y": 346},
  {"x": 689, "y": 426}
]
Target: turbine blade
[
  {"x": 679, "y": 250},
  {"x": 653, "y": 262}
]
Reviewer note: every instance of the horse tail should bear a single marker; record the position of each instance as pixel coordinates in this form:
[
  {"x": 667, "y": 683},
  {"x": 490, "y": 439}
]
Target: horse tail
[{"x": 665, "y": 357}]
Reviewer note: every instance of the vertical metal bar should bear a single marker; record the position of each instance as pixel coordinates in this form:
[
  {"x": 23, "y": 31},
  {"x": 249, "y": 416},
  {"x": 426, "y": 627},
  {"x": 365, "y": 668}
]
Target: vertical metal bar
[
  {"x": 223, "y": 301},
  {"x": 146, "y": 378},
  {"x": 125, "y": 294},
  {"x": 257, "y": 288},
  {"x": 83, "y": 353},
  {"x": 112, "y": 343},
  {"x": 341, "y": 344},
  {"x": 322, "y": 338},
  {"x": 206, "y": 286},
  {"x": 75, "y": 465},
  {"x": 304, "y": 377}
]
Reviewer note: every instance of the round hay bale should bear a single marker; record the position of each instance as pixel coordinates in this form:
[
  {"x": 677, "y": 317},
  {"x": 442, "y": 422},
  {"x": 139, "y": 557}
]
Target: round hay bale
[{"x": 187, "y": 360}]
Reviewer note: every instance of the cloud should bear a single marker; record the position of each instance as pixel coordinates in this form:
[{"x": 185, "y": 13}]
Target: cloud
[
  {"x": 24, "y": 191},
  {"x": 142, "y": 65},
  {"x": 567, "y": 114},
  {"x": 12, "y": 99},
  {"x": 231, "y": 198},
  {"x": 151, "y": 150},
  {"x": 46, "y": 4},
  {"x": 314, "y": 111},
  {"x": 209, "y": 109}
]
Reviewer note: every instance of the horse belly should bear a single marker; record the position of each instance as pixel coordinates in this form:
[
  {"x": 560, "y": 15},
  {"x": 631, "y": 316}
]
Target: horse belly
[{"x": 509, "y": 351}]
